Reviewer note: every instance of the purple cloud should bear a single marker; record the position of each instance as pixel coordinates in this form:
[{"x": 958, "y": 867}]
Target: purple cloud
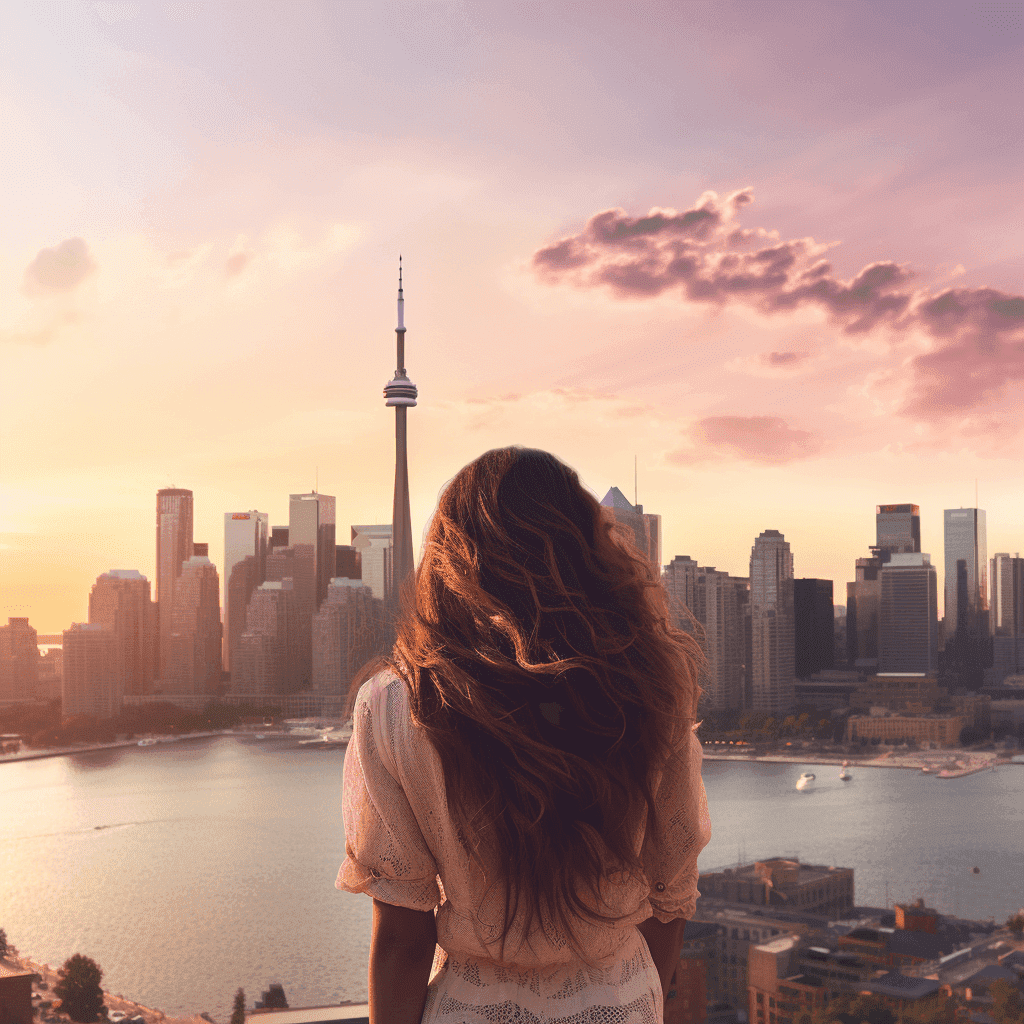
[
  {"x": 60, "y": 268},
  {"x": 768, "y": 440},
  {"x": 784, "y": 358},
  {"x": 703, "y": 256}
]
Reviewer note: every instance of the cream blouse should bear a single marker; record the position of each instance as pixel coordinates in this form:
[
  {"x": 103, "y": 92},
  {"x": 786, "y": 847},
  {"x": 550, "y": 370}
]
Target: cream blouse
[{"x": 401, "y": 846}]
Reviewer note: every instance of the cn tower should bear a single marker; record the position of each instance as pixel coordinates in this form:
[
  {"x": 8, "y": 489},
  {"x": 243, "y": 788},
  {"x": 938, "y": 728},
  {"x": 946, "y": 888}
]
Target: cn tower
[{"x": 400, "y": 392}]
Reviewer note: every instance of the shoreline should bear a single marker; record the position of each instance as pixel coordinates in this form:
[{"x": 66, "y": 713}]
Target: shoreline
[
  {"x": 942, "y": 764},
  {"x": 35, "y": 755}
]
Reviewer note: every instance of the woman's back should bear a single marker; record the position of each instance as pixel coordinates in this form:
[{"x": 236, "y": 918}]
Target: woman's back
[{"x": 531, "y": 746}]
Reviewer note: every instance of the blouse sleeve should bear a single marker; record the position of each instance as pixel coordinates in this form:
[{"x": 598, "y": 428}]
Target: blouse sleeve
[
  {"x": 385, "y": 853},
  {"x": 683, "y": 829}
]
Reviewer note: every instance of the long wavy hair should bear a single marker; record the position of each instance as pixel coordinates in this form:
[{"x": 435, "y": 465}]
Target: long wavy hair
[{"x": 542, "y": 665}]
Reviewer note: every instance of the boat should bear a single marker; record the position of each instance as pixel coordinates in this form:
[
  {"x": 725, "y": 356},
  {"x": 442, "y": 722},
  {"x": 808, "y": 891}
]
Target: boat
[
  {"x": 805, "y": 780},
  {"x": 148, "y": 741},
  {"x": 844, "y": 775}
]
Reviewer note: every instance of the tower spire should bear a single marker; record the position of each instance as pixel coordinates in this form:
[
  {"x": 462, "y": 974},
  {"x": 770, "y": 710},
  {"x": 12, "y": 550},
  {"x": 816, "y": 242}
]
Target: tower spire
[{"x": 400, "y": 393}]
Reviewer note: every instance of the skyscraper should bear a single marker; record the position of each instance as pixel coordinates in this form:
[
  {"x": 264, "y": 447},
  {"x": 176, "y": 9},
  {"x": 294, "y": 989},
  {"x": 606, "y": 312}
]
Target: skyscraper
[
  {"x": 373, "y": 545},
  {"x": 348, "y": 630},
  {"x": 814, "y": 627},
  {"x": 265, "y": 656},
  {"x": 400, "y": 394},
  {"x": 90, "y": 685},
  {"x": 1007, "y": 616},
  {"x": 713, "y": 600},
  {"x": 245, "y": 568},
  {"x": 897, "y": 529},
  {"x": 19, "y": 660},
  {"x": 908, "y": 626},
  {"x": 966, "y": 571},
  {"x": 311, "y": 537},
  {"x": 120, "y": 601},
  {"x": 645, "y": 526},
  {"x": 771, "y": 624},
  {"x": 195, "y": 628},
  {"x": 173, "y": 549}
]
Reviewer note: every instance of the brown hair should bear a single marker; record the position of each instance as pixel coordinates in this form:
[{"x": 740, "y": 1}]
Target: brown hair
[{"x": 544, "y": 669}]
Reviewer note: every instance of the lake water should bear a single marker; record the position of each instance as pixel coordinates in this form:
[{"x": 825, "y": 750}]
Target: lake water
[{"x": 188, "y": 870}]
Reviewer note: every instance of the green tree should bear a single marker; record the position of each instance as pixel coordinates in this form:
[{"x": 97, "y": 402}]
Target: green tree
[
  {"x": 238, "y": 1010},
  {"x": 78, "y": 989},
  {"x": 4, "y": 945},
  {"x": 1016, "y": 924}
]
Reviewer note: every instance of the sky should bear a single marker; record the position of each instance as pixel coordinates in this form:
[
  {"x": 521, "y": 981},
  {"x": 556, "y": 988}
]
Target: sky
[{"x": 772, "y": 251}]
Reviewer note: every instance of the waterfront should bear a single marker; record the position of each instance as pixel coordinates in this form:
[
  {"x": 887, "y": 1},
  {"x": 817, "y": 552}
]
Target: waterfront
[{"x": 188, "y": 870}]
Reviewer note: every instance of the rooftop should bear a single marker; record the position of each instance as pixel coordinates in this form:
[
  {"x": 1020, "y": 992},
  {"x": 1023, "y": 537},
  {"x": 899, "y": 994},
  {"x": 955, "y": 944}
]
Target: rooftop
[{"x": 899, "y": 986}]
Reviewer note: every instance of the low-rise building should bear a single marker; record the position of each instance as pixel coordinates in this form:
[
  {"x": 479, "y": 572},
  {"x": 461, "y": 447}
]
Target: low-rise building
[
  {"x": 780, "y": 882},
  {"x": 687, "y": 996},
  {"x": 897, "y": 727},
  {"x": 903, "y": 993}
]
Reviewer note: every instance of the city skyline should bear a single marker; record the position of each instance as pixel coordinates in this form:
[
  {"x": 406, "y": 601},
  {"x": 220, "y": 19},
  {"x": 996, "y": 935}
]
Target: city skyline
[{"x": 194, "y": 282}]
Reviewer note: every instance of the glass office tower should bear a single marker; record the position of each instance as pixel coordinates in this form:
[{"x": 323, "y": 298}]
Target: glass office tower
[
  {"x": 966, "y": 571},
  {"x": 772, "y": 625},
  {"x": 898, "y": 528},
  {"x": 245, "y": 568},
  {"x": 311, "y": 538}
]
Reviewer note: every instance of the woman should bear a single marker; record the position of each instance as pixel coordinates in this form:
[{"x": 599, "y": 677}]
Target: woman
[{"x": 522, "y": 793}]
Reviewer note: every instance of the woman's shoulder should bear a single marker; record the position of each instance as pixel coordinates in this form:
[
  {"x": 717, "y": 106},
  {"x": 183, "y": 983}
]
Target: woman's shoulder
[{"x": 384, "y": 687}]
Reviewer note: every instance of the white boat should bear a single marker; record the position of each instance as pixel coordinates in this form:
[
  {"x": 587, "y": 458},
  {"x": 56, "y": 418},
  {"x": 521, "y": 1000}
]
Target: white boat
[
  {"x": 805, "y": 780},
  {"x": 148, "y": 742},
  {"x": 844, "y": 775}
]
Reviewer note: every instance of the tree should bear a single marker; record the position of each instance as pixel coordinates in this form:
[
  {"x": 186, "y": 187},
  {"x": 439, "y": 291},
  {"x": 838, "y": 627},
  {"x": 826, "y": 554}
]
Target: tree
[
  {"x": 78, "y": 989},
  {"x": 1014, "y": 923},
  {"x": 238, "y": 1010},
  {"x": 5, "y": 947}
]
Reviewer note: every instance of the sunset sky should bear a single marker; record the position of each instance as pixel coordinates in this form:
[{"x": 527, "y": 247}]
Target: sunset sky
[{"x": 773, "y": 250}]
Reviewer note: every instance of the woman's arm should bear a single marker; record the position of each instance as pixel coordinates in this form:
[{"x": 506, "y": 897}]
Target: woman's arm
[
  {"x": 664, "y": 942},
  {"x": 401, "y": 954}
]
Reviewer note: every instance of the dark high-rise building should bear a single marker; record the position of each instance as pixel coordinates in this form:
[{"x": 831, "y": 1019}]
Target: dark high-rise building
[
  {"x": 400, "y": 394},
  {"x": 312, "y": 541},
  {"x": 644, "y": 526},
  {"x": 245, "y": 568},
  {"x": 897, "y": 529},
  {"x": 814, "y": 626},
  {"x": 908, "y": 625},
  {"x": 173, "y": 548},
  {"x": 862, "y": 599},
  {"x": 966, "y": 571},
  {"x": 278, "y": 537},
  {"x": 346, "y": 562}
]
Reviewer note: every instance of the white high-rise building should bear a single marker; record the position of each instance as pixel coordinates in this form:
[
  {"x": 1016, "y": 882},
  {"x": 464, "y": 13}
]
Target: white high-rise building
[
  {"x": 645, "y": 526},
  {"x": 772, "y": 625},
  {"x": 374, "y": 544},
  {"x": 966, "y": 570}
]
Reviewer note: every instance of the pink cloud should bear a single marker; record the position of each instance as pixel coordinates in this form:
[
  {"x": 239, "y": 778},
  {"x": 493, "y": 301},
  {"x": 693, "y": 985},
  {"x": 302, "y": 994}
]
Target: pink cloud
[
  {"x": 784, "y": 358},
  {"x": 704, "y": 257},
  {"x": 768, "y": 440},
  {"x": 60, "y": 268}
]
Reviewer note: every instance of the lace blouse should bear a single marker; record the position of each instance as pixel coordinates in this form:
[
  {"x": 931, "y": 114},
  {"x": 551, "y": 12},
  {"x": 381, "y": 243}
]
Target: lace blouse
[{"x": 402, "y": 848}]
